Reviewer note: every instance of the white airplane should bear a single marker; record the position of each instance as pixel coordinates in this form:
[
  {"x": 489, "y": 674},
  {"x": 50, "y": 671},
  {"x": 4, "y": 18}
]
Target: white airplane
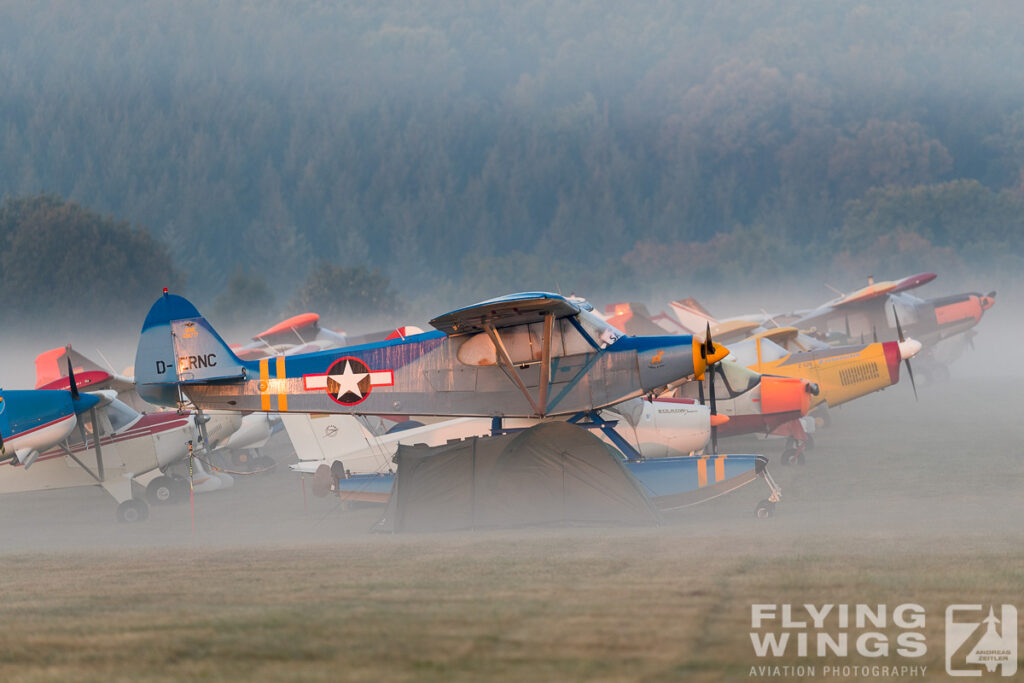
[
  {"x": 664, "y": 427},
  {"x": 240, "y": 448},
  {"x": 123, "y": 451}
]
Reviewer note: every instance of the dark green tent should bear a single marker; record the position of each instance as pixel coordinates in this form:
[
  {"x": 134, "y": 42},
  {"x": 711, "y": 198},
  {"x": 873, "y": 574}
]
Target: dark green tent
[{"x": 553, "y": 473}]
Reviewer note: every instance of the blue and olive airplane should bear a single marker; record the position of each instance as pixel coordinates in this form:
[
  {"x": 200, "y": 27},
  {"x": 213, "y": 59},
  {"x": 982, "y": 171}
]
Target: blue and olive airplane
[{"x": 521, "y": 355}]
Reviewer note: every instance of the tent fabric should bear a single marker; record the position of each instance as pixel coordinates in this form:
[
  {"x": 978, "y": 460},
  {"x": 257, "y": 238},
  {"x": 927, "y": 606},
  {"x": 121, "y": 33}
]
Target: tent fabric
[{"x": 553, "y": 473}]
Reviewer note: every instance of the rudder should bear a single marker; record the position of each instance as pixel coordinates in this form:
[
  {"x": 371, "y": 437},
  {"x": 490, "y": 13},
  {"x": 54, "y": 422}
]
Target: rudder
[{"x": 178, "y": 345}]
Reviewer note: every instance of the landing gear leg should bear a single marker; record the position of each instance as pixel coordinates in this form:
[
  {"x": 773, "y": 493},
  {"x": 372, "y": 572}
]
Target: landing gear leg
[{"x": 794, "y": 452}]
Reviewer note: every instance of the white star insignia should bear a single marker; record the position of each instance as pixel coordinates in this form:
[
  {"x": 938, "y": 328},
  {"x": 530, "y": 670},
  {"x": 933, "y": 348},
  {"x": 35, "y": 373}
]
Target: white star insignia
[{"x": 348, "y": 381}]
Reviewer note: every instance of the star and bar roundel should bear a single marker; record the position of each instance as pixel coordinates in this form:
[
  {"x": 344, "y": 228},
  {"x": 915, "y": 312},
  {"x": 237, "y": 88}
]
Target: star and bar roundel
[{"x": 348, "y": 381}]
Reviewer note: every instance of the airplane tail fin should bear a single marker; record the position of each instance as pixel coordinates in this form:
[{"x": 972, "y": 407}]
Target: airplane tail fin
[
  {"x": 692, "y": 315},
  {"x": 178, "y": 346}
]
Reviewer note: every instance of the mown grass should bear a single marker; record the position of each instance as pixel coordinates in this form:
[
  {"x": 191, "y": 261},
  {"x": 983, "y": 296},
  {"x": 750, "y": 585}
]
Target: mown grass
[{"x": 595, "y": 605}]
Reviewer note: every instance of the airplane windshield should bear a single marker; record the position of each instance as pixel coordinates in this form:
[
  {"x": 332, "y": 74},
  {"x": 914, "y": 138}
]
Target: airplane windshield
[
  {"x": 120, "y": 415},
  {"x": 738, "y": 379},
  {"x": 771, "y": 351},
  {"x": 600, "y": 330},
  {"x": 906, "y": 308}
]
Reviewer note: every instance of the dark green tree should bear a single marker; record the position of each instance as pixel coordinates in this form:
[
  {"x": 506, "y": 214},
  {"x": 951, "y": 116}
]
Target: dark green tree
[
  {"x": 340, "y": 293},
  {"x": 62, "y": 259}
]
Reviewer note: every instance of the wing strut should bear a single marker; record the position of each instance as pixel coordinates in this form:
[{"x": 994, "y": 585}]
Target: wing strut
[
  {"x": 99, "y": 475},
  {"x": 545, "y": 361},
  {"x": 96, "y": 443},
  {"x": 505, "y": 362}
]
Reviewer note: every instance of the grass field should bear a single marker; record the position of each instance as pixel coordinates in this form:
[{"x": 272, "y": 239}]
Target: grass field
[{"x": 899, "y": 502}]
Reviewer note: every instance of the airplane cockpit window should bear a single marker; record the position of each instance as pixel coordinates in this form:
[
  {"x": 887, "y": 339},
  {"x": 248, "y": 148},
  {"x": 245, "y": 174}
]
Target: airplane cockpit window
[
  {"x": 525, "y": 343},
  {"x": 905, "y": 308},
  {"x": 771, "y": 351},
  {"x": 120, "y": 415},
  {"x": 599, "y": 329},
  {"x": 743, "y": 352},
  {"x": 738, "y": 379}
]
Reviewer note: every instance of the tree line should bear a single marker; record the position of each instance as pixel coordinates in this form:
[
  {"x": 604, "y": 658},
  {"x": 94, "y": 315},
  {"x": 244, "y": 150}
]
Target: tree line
[{"x": 468, "y": 150}]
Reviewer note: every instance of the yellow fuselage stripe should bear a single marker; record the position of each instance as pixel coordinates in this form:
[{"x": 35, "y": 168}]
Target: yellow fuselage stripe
[
  {"x": 264, "y": 384},
  {"x": 282, "y": 397}
]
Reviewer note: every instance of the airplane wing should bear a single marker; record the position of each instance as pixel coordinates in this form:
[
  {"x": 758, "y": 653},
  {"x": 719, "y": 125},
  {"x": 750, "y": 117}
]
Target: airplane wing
[
  {"x": 786, "y": 337},
  {"x": 880, "y": 289},
  {"x": 297, "y": 329},
  {"x": 506, "y": 311},
  {"x": 51, "y": 372}
]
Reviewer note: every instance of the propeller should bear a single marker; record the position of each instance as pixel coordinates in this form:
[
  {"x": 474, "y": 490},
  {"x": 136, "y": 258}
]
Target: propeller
[
  {"x": 848, "y": 335},
  {"x": 71, "y": 380},
  {"x": 874, "y": 334},
  {"x": 910, "y": 372},
  {"x": 709, "y": 348}
]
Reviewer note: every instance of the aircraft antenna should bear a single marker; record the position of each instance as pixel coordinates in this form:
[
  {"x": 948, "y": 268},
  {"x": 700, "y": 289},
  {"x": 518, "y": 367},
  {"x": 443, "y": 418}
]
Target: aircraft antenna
[
  {"x": 834, "y": 289},
  {"x": 109, "y": 364}
]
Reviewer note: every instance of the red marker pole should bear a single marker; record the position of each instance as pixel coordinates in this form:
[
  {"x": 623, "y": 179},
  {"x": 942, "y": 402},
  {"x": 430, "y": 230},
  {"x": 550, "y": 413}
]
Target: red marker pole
[{"x": 191, "y": 490}]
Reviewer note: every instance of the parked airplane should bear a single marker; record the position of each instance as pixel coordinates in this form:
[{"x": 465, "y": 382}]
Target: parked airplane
[
  {"x": 303, "y": 334},
  {"x": 241, "y": 448},
  {"x": 523, "y": 355},
  {"x": 114, "y": 449},
  {"x": 649, "y": 428},
  {"x": 840, "y": 373},
  {"x": 943, "y": 324}
]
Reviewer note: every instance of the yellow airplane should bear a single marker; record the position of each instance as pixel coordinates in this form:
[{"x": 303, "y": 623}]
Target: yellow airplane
[{"x": 842, "y": 373}]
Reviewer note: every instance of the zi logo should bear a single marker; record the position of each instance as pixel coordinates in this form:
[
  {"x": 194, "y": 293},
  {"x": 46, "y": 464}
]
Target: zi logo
[{"x": 976, "y": 643}]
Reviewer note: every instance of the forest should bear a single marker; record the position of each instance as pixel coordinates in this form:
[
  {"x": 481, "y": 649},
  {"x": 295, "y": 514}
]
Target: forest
[{"x": 457, "y": 150}]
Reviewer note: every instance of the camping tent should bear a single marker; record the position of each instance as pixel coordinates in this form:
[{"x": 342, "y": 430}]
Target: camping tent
[{"x": 553, "y": 473}]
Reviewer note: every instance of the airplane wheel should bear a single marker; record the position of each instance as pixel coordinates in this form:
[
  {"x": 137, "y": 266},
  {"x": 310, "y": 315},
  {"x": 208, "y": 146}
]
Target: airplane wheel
[
  {"x": 162, "y": 490},
  {"x": 765, "y": 509},
  {"x": 792, "y": 456},
  {"x": 133, "y": 510}
]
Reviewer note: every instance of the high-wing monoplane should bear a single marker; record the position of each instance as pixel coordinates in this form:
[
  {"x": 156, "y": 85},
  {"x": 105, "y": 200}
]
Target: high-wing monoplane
[
  {"x": 943, "y": 324},
  {"x": 522, "y": 355},
  {"x": 48, "y": 444}
]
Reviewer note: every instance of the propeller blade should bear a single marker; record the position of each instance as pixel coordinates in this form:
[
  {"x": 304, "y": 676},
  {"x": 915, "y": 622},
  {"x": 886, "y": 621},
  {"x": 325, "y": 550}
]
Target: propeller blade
[
  {"x": 700, "y": 392},
  {"x": 848, "y": 335},
  {"x": 714, "y": 407},
  {"x": 910, "y": 373},
  {"x": 71, "y": 380},
  {"x": 874, "y": 333},
  {"x": 709, "y": 347},
  {"x": 3, "y": 449},
  {"x": 899, "y": 328}
]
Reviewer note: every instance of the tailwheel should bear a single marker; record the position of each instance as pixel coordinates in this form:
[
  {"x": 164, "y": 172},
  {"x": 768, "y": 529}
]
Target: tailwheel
[
  {"x": 765, "y": 509},
  {"x": 133, "y": 510},
  {"x": 163, "y": 490}
]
